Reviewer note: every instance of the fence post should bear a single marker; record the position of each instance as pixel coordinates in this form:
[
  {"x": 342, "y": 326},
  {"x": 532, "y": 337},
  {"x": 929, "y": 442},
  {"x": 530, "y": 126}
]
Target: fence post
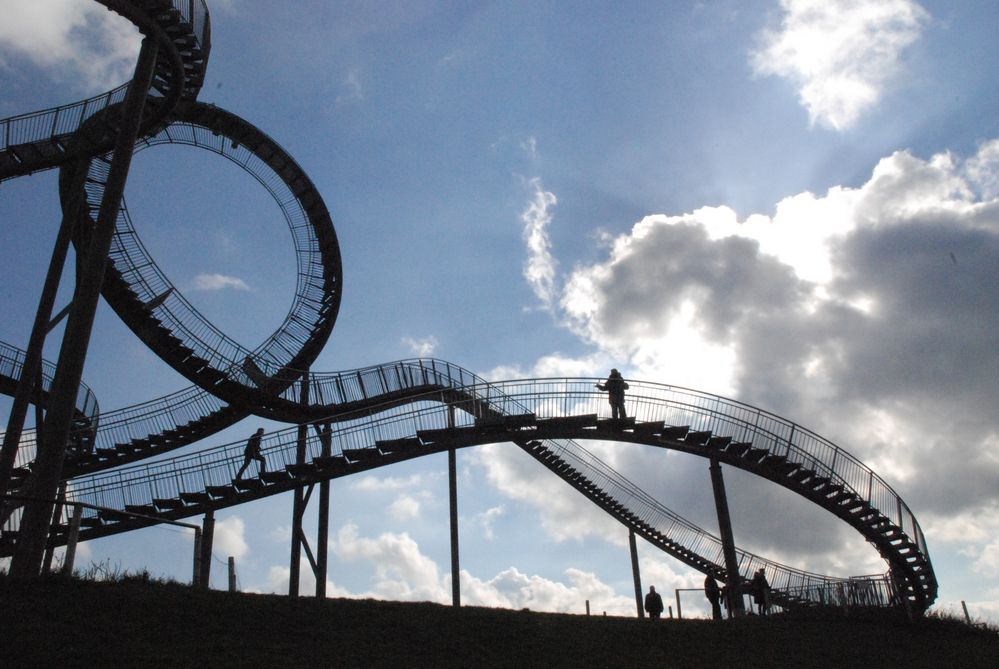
[
  {"x": 232, "y": 574},
  {"x": 197, "y": 557}
]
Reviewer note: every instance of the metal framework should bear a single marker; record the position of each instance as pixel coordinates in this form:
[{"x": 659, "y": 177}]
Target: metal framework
[{"x": 380, "y": 414}]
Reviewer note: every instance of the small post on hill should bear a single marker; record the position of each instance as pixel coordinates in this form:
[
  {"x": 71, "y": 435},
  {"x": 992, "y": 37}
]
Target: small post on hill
[{"x": 232, "y": 574}]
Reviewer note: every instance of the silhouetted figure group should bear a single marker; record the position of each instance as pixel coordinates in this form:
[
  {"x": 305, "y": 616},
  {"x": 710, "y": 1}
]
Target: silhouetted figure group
[
  {"x": 761, "y": 592},
  {"x": 252, "y": 452},
  {"x": 653, "y": 603},
  {"x": 614, "y": 386}
]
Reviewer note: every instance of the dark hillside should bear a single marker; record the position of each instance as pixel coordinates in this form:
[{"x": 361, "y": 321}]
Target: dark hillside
[{"x": 72, "y": 623}]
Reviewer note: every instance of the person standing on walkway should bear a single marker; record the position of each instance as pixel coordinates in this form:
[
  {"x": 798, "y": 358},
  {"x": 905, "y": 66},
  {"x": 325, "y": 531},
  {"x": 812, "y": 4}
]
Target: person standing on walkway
[
  {"x": 653, "y": 603},
  {"x": 252, "y": 452},
  {"x": 615, "y": 387}
]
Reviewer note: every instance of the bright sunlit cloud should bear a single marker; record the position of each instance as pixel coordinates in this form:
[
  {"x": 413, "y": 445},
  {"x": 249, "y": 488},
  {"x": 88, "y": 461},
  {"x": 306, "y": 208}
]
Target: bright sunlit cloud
[
  {"x": 218, "y": 282},
  {"x": 97, "y": 46},
  {"x": 840, "y": 53}
]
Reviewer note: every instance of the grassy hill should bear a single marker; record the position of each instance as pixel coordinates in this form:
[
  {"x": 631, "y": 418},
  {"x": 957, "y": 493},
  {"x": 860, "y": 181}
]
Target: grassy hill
[{"x": 136, "y": 623}]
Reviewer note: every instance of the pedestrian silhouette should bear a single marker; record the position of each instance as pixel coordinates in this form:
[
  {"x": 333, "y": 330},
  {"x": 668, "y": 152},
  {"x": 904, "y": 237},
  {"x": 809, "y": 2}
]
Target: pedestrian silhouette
[
  {"x": 712, "y": 592},
  {"x": 761, "y": 592},
  {"x": 653, "y": 603},
  {"x": 252, "y": 452},
  {"x": 615, "y": 386}
]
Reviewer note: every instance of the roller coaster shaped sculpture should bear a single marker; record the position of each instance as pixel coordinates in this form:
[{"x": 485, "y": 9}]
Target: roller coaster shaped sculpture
[{"x": 385, "y": 413}]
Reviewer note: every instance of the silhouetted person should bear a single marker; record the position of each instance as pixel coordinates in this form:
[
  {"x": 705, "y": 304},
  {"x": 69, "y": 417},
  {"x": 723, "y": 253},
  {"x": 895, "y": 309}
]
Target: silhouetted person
[
  {"x": 653, "y": 603},
  {"x": 712, "y": 592},
  {"x": 615, "y": 386},
  {"x": 761, "y": 592},
  {"x": 252, "y": 452}
]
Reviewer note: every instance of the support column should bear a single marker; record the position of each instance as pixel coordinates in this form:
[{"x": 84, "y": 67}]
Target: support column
[
  {"x": 44, "y": 479},
  {"x": 33, "y": 356},
  {"x": 636, "y": 574},
  {"x": 323, "y": 530},
  {"x": 452, "y": 477},
  {"x": 453, "y": 497},
  {"x": 207, "y": 537},
  {"x": 733, "y": 580},
  {"x": 298, "y": 505},
  {"x": 71, "y": 541}
]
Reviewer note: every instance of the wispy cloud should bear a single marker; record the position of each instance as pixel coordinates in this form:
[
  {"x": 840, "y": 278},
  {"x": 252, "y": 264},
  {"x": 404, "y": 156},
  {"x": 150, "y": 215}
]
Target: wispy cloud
[
  {"x": 539, "y": 268},
  {"x": 840, "y": 53},
  {"x": 218, "y": 282},
  {"x": 353, "y": 90}
]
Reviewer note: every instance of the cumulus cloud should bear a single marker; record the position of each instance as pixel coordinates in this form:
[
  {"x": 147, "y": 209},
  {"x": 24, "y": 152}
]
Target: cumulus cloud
[
  {"x": 866, "y": 314},
  {"x": 840, "y": 53},
  {"x": 421, "y": 348},
  {"x": 79, "y": 42},
  {"x": 218, "y": 282},
  {"x": 408, "y": 507},
  {"x": 230, "y": 538}
]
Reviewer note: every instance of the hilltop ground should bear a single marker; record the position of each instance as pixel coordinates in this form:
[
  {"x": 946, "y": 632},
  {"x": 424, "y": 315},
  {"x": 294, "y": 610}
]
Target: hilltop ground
[{"x": 133, "y": 623}]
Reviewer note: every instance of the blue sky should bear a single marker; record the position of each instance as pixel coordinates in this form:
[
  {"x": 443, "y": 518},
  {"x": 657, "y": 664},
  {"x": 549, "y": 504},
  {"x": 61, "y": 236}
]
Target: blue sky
[{"x": 795, "y": 204}]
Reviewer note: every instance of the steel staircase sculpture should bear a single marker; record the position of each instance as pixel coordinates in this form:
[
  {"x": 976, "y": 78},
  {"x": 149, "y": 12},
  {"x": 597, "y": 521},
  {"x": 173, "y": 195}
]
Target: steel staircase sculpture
[{"x": 383, "y": 413}]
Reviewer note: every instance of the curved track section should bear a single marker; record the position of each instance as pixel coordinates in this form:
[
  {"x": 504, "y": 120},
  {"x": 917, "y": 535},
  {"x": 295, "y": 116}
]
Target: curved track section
[
  {"x": 153, "y": 307},
  {"x": 545, "y": 417},
  {"x": 49, "y": 138},
  {"x": 385, "y": 413}
]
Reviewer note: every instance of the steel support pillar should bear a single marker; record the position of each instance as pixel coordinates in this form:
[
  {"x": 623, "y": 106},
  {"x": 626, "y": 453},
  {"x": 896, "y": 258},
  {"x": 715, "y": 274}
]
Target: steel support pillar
[
  {"x": 298, "y": 504},
  {"x": 323, "y": 529},
  {"x": 452, "y": 477},
  {"x": 207, "y": 537},
  {"x": 733, "y": 579},
  {"x": 31, "y": 368},
  {"x": 636, "y": 574},
  {"x": 44, "y": 479}
]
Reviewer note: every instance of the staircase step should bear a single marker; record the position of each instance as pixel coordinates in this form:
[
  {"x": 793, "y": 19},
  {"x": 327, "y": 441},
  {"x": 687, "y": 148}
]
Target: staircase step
[
  {"x": 719, "y": 443},
  {"x": 195, "y": 497},
  {"x": 143, "y": 509},
  {"x": 220, "y": 491},
  {"x": 738, "y": 448},
  {"x": 674, "y": 432},
  {"x": 244, "y": 485},
  {"x": 167, "y": 504},
  {"x": 335, "y": 462},
  {"x": 511, "y": 422},
  {"x": 580, "y": 421},
  {"x": 275, "y": 477},
  {"x": 399, "y": 445},
  {"x": 698, "y": 438},
  {"x": 755, "y": 454},
  {"x": 301, "y": 470},
  {"x": 362, "y": 454},
  {"x": 648, "y": 428}
]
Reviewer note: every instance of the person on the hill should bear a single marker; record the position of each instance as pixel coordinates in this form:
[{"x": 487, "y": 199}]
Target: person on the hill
[
  {"x": 653, "y": 603},
  {"x": 713, "y": 593}
]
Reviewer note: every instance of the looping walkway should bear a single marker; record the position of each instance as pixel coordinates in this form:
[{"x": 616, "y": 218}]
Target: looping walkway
[{"x": 384, "y": 413}]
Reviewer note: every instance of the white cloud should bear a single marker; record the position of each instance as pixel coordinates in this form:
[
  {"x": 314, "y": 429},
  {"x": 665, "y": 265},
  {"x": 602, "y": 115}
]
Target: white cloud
[
  {"x": 218, "y": 282},
  {"x": 539, "y": 268},
  {"x": 353, "y": 89},
  {"x": 866, "y": 314},
  {"x": 840, "y": 53},
  {"x": 408, "y": 507},
  {"x": 402, "y": 572},
  {"x": 369, "y": 483},
  {"x": 421, "y": 348},
  {"x": 487, "y": 518},
  {"x": 79, "y": 42},
  {"x": 230, "y": 538}
]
